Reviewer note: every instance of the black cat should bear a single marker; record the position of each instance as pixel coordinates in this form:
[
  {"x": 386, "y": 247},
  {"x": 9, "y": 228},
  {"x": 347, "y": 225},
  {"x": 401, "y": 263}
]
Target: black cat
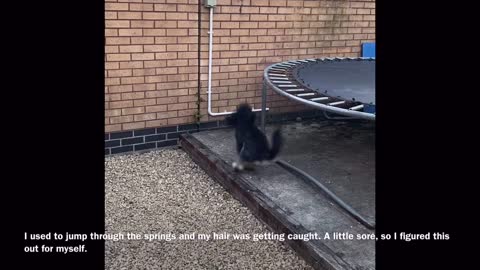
[{"x": 252, "y": 145}]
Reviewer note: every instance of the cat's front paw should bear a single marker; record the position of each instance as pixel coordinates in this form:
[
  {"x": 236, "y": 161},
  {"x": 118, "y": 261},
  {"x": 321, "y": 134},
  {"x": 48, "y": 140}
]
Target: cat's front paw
[{"x": 237, "y": 166}]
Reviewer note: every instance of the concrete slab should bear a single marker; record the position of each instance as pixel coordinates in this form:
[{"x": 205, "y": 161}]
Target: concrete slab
[{"x": 339, "y": 154}]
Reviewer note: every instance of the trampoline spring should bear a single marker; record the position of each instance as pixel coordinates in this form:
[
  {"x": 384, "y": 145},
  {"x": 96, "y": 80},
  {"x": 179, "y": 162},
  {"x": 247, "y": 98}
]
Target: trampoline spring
[
  {"x": 286, "y": 81},
  {"x": 286, "y": 85},
  {"x": 273, "y": 78},
  {"x": 336, "y": 103},
  {"x": 306, "y": 94},
  {"x": 356, "y": 108},
  {"x": 295, "y": 90},
  {"x": 319, "y": 98},
  {"x": 274, "y": 74},
  {"x": 287, "y": 65}
]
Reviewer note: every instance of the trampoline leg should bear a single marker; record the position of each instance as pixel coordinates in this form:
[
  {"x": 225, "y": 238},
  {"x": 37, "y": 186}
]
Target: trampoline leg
[{"x": 264, "y": 105}]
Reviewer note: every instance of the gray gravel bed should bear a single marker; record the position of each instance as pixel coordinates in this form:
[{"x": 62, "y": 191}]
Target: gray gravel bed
[{"x": 164, "y": 191}]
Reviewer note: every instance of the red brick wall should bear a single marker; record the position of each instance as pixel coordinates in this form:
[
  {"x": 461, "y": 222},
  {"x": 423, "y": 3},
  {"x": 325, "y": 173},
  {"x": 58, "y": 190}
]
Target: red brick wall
[{"x": 151, "y": 76}]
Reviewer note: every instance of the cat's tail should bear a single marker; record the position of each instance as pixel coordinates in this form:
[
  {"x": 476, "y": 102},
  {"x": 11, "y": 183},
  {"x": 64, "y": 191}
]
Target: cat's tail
[{"x": 277, "y": 143}]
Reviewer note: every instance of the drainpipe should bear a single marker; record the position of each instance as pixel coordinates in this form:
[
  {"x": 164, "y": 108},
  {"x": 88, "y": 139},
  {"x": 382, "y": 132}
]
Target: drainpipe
[{"x": 210, "y": 49}]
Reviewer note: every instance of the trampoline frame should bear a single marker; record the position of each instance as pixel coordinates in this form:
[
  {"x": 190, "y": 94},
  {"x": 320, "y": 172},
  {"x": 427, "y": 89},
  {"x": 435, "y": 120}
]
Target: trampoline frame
[{"x": 284, "y": 70}]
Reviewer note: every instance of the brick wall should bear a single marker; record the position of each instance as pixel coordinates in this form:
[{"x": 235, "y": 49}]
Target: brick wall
[{"x": 152, "y": 47}]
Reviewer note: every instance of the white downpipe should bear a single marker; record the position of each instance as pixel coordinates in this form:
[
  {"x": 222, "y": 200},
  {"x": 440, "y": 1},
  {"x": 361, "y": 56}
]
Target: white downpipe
[{"x": 210, "y": 50}]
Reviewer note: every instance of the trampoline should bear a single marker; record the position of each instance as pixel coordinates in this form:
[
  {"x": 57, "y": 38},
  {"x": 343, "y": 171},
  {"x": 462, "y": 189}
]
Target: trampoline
[{"x": 344, "y": 86}]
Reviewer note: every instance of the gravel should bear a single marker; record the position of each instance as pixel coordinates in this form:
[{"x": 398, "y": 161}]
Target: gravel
[{"x": 164, "y": 191}]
